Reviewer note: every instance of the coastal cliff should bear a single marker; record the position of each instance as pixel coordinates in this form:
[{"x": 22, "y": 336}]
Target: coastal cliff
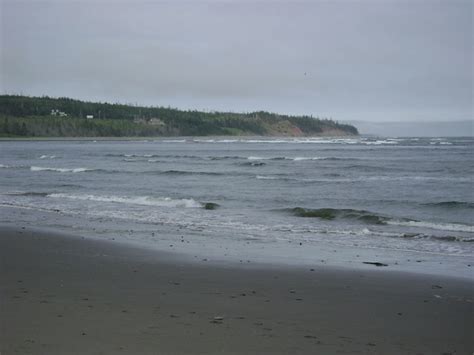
[{"x": 25, "y": 116}]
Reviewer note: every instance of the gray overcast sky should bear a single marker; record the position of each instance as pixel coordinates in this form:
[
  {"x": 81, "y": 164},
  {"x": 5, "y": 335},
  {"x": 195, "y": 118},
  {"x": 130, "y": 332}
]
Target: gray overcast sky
[{"x": 350, "y": 60}]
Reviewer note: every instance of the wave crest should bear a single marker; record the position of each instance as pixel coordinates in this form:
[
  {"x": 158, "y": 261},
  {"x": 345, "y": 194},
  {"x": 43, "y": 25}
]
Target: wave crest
[
  {"x": 451, "y": 204},
  {"x": 136, "y": 200},
  {"x": 61, "y": 170},
  {"x": 286, "y": 158},
  {"x": 184, "y": 172},
  {"x": 373, "y": 218},
  {"x": 452, "y": 227},
  {"x": 333, "y": 213}
]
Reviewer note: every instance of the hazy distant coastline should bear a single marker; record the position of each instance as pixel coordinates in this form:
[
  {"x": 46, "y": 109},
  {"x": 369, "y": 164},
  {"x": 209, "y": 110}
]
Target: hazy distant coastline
[
  {"x": 24, "y": 116},
  {"x": 454, "y": 128}
]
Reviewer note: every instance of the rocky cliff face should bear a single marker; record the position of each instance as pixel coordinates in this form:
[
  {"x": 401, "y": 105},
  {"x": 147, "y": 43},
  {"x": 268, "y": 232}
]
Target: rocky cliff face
[{"x": 288, "y": 129}]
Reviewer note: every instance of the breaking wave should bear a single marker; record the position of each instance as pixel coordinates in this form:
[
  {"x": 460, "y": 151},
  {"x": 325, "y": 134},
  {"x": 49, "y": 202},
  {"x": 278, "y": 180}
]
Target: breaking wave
[
  {"x": 264, "y": 177},
  {"x": 309, "y": 140},
  {"x": 283, "y": 177},
  {"x": 138, "y": 200},
  {"x": 47, "y": 157},
  {"x": 185, "y": 172},
  {"x": 221, "y": 157},
  {"x": 334, "y": 213},
  {"x": 286, "y": 158},
  {"x": 61, "y": 170},
  {"x": 374, "y": 218}
]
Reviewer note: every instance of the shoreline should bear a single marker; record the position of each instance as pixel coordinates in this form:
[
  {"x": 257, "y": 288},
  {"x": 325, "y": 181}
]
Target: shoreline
[
  {"x": 144, "y": 138},
  {"x": 238, "y": 252},
  {"x": 67, "y": 294}
]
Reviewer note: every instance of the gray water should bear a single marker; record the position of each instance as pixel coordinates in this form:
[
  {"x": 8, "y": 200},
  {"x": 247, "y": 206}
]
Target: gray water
[{"x": 411, "y": 195}]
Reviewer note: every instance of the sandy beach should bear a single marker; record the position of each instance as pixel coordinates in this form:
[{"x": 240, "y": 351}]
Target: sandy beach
[{"x": 69, "y": 295}]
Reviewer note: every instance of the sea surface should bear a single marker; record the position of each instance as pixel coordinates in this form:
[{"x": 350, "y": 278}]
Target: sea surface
[{"x": 407, "y": 202}]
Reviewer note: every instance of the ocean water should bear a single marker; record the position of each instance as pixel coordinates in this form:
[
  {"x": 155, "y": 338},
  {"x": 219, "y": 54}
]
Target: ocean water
[{"x": 296, "y": 200}]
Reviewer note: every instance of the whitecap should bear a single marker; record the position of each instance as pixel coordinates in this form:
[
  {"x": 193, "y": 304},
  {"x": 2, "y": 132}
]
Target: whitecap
[
  {"x": 60, "y": 170},
  {"x": 264, "y": 177},
  {"x": 136, "y": 200},
  {"x": 257, "y": 158},
  {"x": 380, "y": 142},
  {"x": 305, "y": 158}
]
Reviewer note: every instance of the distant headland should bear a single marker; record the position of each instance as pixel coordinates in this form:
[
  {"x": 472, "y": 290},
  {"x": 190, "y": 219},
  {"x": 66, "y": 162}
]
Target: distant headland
[{"x": 25, "y": 116}]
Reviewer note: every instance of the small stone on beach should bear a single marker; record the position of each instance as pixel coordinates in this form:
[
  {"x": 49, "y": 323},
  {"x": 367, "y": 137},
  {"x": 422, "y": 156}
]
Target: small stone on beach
[{"x": 376, "y": 263}]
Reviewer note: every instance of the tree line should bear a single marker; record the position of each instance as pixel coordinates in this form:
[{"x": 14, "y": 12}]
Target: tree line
[{"x": 31, "y": 116}]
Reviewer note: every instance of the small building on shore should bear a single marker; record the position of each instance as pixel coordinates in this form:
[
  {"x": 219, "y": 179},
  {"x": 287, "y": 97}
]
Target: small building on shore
[
  {"x": 156, "y": 122},
  {"x": 56, "y": 112}
]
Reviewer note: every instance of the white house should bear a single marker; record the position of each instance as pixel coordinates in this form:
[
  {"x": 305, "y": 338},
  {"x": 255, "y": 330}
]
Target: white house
[{"x": 58, "y": 113}]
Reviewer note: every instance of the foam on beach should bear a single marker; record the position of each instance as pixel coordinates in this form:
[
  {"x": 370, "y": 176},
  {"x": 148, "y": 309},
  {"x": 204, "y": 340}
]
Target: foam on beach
[{"x": 452, "y": 227}]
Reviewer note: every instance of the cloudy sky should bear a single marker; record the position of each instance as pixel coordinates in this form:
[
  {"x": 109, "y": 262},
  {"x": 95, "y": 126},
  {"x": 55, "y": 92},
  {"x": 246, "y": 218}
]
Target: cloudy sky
[{"x": 379, "y": 60}]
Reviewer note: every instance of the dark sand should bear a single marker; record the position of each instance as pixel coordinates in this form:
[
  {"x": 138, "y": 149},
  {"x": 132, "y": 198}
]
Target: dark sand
[{"x": 67, "y": 295}]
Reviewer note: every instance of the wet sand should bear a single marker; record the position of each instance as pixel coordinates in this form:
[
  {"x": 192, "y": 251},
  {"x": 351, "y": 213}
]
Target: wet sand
[{"x": 69, "y": 295}]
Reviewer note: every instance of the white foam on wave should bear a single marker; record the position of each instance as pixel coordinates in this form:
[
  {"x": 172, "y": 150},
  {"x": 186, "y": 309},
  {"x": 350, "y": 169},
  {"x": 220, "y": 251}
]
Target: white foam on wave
[
  {"x": 452, "y": 227},
  {"x": 416, "y": 178},
  {"x": 136, "y": 200},
  {"x": 264, "y": 177},
  {"x": 362, "y": 179},
  {"x": 303, "y": 180},
  {"x": 380, "y": 142},
  {"x": 266, "y": 141},
  {"x": 285, "y": 158},
  {"x": 228, "y": 141},
  {"x": 440, "y": 143},
  {"x": 47, "y": 157},
  {"x": 257, "y": 158},
  {"x": 309, "y": 140},
  {"x": 2, "y": 166},
  {"x": 139, "y": 155},
  {"x": 204, "y": 140},
  {"x": 60, "y": 170},
  {"x": 305, "y": 158}
]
